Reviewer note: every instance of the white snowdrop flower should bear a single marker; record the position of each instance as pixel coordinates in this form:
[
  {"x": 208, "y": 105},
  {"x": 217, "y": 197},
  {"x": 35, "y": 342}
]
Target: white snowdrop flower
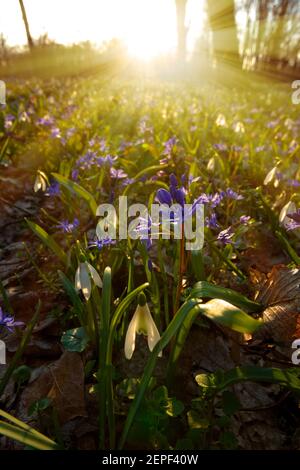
[
  {"x": 211, "y": 164},
  {"x": 84, "y": 275},
  {"x": 239, "y": 127},
  {"x": 221, "y": 121},
  {"x": 289, "y": 123},
  {"x": 270, "y": 176},
  {"x": 289, "y": 208},
  {"x": 40, "y": 182},
  {"x": 141, "y": 323}
]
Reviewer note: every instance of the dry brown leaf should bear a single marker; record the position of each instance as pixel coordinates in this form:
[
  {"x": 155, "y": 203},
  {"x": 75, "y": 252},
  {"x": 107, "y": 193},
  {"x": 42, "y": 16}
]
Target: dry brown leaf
[
  {"x": 62, "y": 382},
  {"x": 279, "y": 292}
]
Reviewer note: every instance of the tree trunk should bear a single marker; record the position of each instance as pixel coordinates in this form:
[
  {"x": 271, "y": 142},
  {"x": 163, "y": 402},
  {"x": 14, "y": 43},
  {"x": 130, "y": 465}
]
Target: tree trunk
[
  {"x": 263, "y": 11},
  {"x": 221, "y": 17},
  {"x": 29, "y": 37},
  {"x": 181, "y": 30},
  {"x": 280, "y": 15}
]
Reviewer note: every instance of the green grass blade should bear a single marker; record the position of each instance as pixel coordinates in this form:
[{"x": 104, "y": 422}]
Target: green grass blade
[
  {"x": 75, "y": 188},
  {"x": 117, "y": 316},
  {"x": 48, "y": 241},
  {"x": 72, "y": 294},
  {"x": 221, "y": 380},
  {"x": 205, "y": 289},
  {"x": 287, "y": 247},
  {"x": 229, "y": 315},
  {"x": 102, "y": 372},
  {"x": 26, "y": 437},
  {"x": 188, "y": 307},
  {"x": 24, "y": 341},
  {"x": 24, "y": 426}
]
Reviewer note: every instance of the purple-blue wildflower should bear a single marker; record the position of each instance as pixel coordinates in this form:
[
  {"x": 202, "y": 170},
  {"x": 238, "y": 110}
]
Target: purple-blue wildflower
[
  {"x": 293, "y": 183},
  {"x": 118, "y": 173},
  {"x": 55, "y": 133},
  {"x": 53, "y": 189},
  {"x": 225, "y": 236},
  {"x": 68, "y": 227},
  {"x": 144, "y": 231},
  {"x": 169, "y": 145},
  {"x": 99, "y": 244},
  {"x": 164, "y": 197},
  {"x": 221, "y": 147},
  {"x": 272, "y": 124},
  {"x": 211, "y": 221},
  {"x": 8, "y": 121},
  {"x": 231, "y": 194},
  {"x": 8, "y": 321},
  {"x": 295, "y": 222},
  {"x": 75, "y": 174},
  {"x": 175, "y": 193},
  {"x": 46, "y": 121},
  {"x": 244, "y": 219}
]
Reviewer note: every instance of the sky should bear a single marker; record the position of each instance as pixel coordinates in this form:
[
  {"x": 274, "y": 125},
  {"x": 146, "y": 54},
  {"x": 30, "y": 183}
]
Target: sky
[{"x": 147, "y": 27}]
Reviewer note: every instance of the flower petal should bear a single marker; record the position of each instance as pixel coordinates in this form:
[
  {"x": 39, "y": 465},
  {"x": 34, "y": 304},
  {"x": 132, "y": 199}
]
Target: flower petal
[
  {"x": 129, "y": 346},
  {"x": 77, "y": 279},
  {"x": 289, "y": 208},
  {"x": 37, "y": 184},
  {"x": 95, "y": 276},
  {"x": 85, "y": 281},
  {"x": 152, "y": 331},
  {"x": 270, "y": 176}
]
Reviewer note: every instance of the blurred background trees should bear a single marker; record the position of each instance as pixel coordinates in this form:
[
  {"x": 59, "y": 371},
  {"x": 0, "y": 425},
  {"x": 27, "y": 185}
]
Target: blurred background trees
[{"x": 261, "y": 36}]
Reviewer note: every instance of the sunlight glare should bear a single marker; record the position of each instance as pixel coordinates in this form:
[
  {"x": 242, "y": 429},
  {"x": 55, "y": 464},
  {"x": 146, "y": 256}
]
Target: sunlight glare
[{"x": 149, "y": 28}]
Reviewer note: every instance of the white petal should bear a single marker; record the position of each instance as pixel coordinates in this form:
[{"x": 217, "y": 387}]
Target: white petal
[
  {"x": 211, "y": 164},
  {"x": 270, "y": 176},
  {"x": 85, "y": 281},
  {"x": 152, "y": 331},
  {"x": 95, "y": 276},
  {"x": 77, "y": 279},
  {"x": 44, "y": 185},
  {"x": 129, "y": 346},
  {"x": 37, "y": 184},
  {"x": 289, "y": 208}
]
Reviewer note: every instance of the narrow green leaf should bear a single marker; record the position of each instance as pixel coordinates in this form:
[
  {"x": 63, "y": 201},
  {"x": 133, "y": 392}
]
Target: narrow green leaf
[
  {"x": 18, "y": 354},
  {"x": 116, "y": 318},
  {"x": 205, "y": 289},
  {"x": 22, "y": 425},
  {"x": 48, "y": 240},
  {"x": 288, "y": 247},
  {"x": 105, "y": 408},
  {"x": 26, "y": 437},
  {"x": 220, "y": 380},
  {"x": 187, "y": 308},
  {"x": 226, "y": 314},
  {"x": 72, "y": 293},
  {"x": 75, "y": 188}
]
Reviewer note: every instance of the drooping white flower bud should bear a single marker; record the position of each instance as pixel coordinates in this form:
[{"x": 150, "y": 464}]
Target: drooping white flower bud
[
  {"x": 84, "y": 274},
  {"x": 141, "y": 323}
]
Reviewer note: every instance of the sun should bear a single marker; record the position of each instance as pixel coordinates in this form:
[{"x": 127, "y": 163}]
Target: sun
[{"x": 149, "y": 28}]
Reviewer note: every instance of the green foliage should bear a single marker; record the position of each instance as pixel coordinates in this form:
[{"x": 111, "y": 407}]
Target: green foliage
[
  {"x": 75, "y": 340},
  {"x": 48, "y": 240},
  {"x": 24, "y": 434}
]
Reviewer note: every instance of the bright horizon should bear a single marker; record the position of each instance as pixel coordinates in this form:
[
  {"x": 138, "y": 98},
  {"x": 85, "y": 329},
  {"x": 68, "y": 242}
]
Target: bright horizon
[{"x": 146, "y": 27}]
